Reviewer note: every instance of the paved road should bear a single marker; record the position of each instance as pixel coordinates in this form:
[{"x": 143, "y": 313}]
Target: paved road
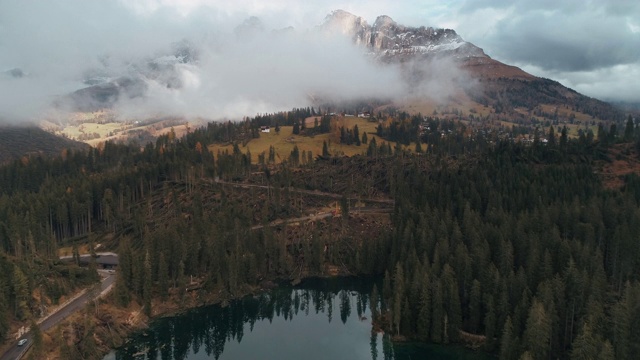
[{"x": 16, "y": 352}]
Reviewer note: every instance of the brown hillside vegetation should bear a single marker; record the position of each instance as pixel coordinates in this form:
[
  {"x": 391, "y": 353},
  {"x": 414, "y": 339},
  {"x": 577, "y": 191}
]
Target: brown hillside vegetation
[
  {"x": 624, "y": 160},
  {"x": 482, "y": 67}
]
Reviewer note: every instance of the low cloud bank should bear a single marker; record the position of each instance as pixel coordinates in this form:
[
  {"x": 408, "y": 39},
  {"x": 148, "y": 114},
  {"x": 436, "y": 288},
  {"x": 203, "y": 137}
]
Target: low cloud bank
[{"x": 199, "y": 65}]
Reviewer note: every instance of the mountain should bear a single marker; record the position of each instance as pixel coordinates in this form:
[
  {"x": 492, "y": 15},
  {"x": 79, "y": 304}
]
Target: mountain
[
  {"x": 438, "y": 65},
  {"x": 392, "y": 42},
  {"x": 13, "y": 73},
  {"x": 507, "y": 89},
  {"x": 108, "y": 87},
  {"x": 103, "y": 94},
  {"x": 388, "y": 39},
  {"x": 17, "y": 142}
]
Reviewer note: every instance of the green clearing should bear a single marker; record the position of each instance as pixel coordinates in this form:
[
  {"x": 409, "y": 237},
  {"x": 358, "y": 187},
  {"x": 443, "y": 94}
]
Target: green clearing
[
  {"x": 103, "y": 130},
  {"x": 284, "y": 142}
]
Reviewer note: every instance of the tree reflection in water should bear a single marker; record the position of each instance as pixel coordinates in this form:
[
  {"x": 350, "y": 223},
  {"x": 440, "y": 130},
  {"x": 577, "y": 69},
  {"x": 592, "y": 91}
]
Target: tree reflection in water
[
  {"x": 207, "y": 332},
  {"x": 209, "y": 328}
]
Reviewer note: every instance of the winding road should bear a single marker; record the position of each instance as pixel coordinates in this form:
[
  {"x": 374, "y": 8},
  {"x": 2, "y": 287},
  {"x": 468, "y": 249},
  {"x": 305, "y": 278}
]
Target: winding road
[{"x": 16, "y": 352}]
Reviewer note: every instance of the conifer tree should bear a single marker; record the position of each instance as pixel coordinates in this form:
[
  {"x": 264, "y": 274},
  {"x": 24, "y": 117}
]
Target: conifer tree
[
  {"x": 538, "y": 331},
  {"x": 76, "y": 254},
  {"x": 272, "y": 155},
  {"x": 490, "y": 324},
  {"x": 21, "y": 293},
  {"x": 622, "y": 325},
  {"x": 344, "y": 208},
  {"x": 36, "y": 334},
  {"x": 629, "y": 130},
  {"x": 4, "y": 314},
  {"x": 398, "y": 297},
  {"x": 474, "y": 306},
  {"x": 507, "y": 348},
  {"x": 163, "y": 276},
  {"x": 373, "y": 302},
  {"x": 424, "y": 311},
  {"x": 606, "y": 351},
  {"x": 552, "y": 136},
  {"x": 585, "y": 346},
  {"x": 147, "y": 284},
  {"x": 438, "y": 314},
  {"x": 121, "y": 290},
  {"x": 564, "y": 137}
]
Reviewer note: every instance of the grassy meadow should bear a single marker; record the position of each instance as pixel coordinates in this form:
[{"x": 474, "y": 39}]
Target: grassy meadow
[{"x": 286, "y": 140}]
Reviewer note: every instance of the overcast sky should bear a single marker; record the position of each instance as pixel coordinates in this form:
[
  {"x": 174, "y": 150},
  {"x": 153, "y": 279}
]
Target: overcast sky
[{"x": 590, "y": 46}]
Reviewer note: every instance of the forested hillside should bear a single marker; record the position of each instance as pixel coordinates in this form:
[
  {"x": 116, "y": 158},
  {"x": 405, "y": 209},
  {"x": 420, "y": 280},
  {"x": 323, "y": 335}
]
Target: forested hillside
[
  {"x": 17, "y": 142},
  {"x": 536, "y": 258},
  {"x": 515, "y": 248}
]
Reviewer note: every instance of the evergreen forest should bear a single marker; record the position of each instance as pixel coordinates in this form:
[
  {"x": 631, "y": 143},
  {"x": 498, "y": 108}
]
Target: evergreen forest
[{"x": 517, "y": 249}]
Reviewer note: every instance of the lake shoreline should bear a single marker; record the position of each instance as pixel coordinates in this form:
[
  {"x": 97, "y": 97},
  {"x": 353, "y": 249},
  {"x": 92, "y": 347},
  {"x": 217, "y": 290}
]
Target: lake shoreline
[
  {"x": 277, "y": 313},
  {"x": 126, "y": 322}
]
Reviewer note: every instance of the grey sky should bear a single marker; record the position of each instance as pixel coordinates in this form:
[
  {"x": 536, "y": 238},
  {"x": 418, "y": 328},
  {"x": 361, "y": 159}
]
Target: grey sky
[
  {"x": 591, "y": 46},
  {"x": 57, "y": 43}
]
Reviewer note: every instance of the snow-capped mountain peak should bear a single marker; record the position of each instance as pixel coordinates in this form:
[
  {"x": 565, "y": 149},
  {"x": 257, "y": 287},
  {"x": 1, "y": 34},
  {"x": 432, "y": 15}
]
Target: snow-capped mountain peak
[{"x": 386, "y": 38}]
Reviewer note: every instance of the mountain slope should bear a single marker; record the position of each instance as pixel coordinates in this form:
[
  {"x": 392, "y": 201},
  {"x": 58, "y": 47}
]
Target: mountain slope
[
  {"x": 503, "y": 87},
  {"x": 106, "y": 88},
  {"x": 438, "y": 66},
  {"x": 391, "y": 42},
  {"x": 16, "y": 142}
]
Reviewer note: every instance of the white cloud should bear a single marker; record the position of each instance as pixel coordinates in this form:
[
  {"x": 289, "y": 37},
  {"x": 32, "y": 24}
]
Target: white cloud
[
  {"x": 612, "y": 83},
  {"x": 305, "y": 14},
  {"x": 233, "y": 77},
  {"x": 591, "y": 46},
  {"x": 267, "y": 73}
]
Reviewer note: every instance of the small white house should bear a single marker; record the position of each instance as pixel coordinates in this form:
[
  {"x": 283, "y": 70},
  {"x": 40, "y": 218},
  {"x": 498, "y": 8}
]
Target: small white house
[{"x": 265, "y": 129}]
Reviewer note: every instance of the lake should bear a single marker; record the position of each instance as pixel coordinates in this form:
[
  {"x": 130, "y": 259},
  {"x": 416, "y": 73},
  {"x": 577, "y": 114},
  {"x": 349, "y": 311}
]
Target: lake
[{"x": 319, "y": 319}]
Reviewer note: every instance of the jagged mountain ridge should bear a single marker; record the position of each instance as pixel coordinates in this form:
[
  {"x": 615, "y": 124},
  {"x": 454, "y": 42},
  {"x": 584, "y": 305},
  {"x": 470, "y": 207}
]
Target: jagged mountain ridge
[
  {"x": 390, "y": 42},
  {"x": 388, "y": 38},
  {"x": 385, "y": 39},
  {"x": 503, "y": 86}
]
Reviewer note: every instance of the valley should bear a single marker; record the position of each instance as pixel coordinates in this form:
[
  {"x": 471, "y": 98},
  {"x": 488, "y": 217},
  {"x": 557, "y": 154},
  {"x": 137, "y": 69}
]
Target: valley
[
  {"x": 168, "y": 185},
  {"x": 95, "y": 128},
  {"x": 194, "y": 227}
]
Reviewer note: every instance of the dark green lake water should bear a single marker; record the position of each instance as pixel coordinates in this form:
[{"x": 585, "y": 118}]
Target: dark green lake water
[{"x": 320, "y": 319}]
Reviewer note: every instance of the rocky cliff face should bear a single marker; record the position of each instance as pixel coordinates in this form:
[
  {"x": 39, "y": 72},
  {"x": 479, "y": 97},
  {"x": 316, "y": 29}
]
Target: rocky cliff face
[
  {"x": 421, "y": 49},
  {"x": 429, "y": 58},
  {"x": 388, "y": 39}
]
